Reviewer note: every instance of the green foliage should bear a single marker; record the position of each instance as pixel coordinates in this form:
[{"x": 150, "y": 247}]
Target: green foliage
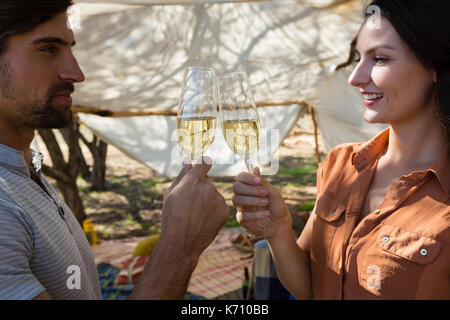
[
  {"x": 148, "y": 184},
  {"x": 154, "y": 229},
  {"x": 232, "y": 222},
  {"x": 299, "y": 176},
  {"x": 305, "y": 169},
  {"x": 307, "y": 206}
]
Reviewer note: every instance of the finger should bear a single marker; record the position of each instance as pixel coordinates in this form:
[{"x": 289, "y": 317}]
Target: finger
[
  {"x": 184, "y": 170},
  {"x": 245, "y": 189},
  {"x": 246, "y": 201},
  {"x": 252, "y": 216},
  {"x": 248, "y": 178},
  {"x": 201, "y": 168},
  {"x": 257, "y": 173}
]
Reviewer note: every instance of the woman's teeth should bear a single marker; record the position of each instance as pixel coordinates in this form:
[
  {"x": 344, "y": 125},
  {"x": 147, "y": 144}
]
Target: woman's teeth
[{"x": 372, "y": 96}]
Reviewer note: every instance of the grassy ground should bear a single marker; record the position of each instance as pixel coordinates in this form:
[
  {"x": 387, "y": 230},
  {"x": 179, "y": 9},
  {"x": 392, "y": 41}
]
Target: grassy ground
[{"x": 132, "y": 202}]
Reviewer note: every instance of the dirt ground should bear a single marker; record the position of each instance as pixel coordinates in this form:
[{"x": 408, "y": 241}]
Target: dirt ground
[{"x": 131, "y": 205}]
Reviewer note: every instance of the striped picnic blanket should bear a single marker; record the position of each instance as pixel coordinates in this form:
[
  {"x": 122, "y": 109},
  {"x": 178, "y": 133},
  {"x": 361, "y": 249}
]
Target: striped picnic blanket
[{"x": 220, "y": 269}]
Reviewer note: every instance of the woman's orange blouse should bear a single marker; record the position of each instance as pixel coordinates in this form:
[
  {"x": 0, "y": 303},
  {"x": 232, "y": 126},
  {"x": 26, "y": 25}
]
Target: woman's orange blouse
[{"x": 399, "y": 251}]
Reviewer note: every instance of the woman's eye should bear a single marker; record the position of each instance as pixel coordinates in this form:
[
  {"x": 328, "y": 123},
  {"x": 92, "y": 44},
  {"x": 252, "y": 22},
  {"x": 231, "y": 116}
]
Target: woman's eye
[
  {"x": 380, "y": 59},
  {"x": 357, "y": 60}
]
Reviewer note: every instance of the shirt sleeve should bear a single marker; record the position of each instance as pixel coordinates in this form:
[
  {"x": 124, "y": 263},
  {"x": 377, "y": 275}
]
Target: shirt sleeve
[{"x": 17, "y": 281}]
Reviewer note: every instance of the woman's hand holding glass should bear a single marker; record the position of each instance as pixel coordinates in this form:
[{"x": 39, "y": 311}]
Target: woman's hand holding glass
[{"x": 252, "y": 191}]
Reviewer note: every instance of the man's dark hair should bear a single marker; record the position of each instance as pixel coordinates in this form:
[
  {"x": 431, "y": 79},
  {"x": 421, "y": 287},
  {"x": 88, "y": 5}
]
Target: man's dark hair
[
  {"x": 21, "y": 16},
  {"x": 424, "y": 25}
]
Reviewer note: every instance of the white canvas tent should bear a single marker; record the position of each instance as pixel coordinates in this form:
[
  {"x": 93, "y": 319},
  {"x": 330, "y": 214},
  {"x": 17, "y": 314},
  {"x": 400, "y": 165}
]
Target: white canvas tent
[{"x": 134, "y": 52}]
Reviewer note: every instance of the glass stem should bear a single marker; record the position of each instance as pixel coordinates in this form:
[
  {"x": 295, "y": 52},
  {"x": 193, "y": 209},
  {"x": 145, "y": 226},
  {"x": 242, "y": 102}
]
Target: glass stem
[{"x": 249, "y": 163}]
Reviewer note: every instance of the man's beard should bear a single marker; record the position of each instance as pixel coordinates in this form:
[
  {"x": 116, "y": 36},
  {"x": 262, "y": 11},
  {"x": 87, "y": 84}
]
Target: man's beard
[
  {"x": 43, "y": 115},
  {"x": 40, "y": 114}
]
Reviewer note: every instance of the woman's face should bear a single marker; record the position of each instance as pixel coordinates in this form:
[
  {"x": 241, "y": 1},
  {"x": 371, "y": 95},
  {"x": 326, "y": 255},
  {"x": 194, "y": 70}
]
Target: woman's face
[{"x": 395, "y": 86}]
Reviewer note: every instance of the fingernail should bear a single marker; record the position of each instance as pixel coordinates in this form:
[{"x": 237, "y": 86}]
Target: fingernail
[
  {"x": 265, "y": 214},
  {"x": 207, "y": 160},
  {"x": 262, "y": 191},
  {"x": 256, "y": 180},
  {"x": 264, "y": 201},
  {"x": 186, "y": 163}
]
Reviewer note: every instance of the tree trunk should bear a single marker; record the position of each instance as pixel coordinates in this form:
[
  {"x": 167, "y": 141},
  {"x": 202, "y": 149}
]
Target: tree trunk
[
  {"x": 65, "y": 173},
  {"x": 81, "y": 164},
  {"x": 98, "y": 149},
  {"x": 99, "y": 169}
]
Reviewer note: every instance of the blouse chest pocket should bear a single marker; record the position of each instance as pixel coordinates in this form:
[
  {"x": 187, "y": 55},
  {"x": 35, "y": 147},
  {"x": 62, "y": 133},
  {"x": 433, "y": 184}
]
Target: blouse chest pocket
[
  {"x": 329, "y": 216},
  {"x": 394, "y": 264},
  {"x": 408, "y": 245}
]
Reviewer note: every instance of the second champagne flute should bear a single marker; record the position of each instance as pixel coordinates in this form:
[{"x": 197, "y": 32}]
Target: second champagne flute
[{"x": 240, "y": 120}]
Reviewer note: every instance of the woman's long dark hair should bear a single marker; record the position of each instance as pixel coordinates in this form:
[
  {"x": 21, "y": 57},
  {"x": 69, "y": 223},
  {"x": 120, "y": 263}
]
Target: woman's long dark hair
[{"x": 424, "y": 25}]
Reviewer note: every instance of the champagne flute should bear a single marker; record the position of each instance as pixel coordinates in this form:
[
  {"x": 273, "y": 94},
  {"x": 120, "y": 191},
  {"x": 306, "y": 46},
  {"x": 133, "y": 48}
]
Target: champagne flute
[
  {"x": 240, "y": 120},
  {"x": 197, "y": 112}
]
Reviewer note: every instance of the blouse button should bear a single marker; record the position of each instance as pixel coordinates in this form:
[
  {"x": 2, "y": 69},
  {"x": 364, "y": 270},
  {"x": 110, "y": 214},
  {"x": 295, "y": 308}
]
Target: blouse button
[
  {"x": 376, "y": 211},
  {"x": 385, "y": 239},
  {"x": 333, "y": 213},
  {"x": 405, "y": 183},
  {"x": 423, "y": 252},
  {"x": 420, "y": 176}
]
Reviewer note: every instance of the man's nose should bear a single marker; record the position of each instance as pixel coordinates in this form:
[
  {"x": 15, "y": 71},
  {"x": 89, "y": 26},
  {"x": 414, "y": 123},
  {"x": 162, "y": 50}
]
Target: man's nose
[{"x": 71, "y": 71}]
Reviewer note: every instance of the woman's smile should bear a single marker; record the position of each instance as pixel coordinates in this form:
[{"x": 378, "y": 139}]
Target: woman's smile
[{"x": 371, "y": 98}]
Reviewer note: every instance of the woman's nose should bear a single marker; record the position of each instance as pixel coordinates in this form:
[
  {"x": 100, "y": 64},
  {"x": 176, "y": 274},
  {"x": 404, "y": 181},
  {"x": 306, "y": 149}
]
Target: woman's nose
[{"x": 361, "y": 75}]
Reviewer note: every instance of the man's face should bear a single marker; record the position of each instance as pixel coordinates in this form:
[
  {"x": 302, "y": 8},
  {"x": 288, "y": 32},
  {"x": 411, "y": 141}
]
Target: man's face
[{"x": 37, "y": 76}]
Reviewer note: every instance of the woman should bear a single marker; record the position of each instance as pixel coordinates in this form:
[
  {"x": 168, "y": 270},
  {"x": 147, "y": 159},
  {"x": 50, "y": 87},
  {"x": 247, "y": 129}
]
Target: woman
[{"x": 381, "y": 225}]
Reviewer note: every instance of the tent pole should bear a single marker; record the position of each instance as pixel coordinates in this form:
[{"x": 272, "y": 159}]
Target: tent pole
[
  {"x": 316, "y": 133},
  {"x": 103, "y": 112}
]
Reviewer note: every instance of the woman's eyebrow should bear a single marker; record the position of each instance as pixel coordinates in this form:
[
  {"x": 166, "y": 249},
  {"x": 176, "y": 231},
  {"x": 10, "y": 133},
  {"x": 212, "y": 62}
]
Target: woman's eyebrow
[{"x": 371, "y": 50}]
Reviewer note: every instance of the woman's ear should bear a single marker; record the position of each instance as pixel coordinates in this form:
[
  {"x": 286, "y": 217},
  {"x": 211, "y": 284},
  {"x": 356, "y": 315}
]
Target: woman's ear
[{"x": 434, "y": 76}]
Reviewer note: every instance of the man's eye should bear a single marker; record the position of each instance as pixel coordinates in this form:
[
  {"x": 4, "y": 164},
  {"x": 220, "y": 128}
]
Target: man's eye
[{"x": 49, "y": 49}]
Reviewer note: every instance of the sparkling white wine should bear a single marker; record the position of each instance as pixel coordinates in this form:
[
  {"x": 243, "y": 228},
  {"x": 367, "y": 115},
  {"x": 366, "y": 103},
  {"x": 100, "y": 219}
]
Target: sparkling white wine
[
  {"x": 195, "y": 135},
  {"x": 242, "y": 136}
]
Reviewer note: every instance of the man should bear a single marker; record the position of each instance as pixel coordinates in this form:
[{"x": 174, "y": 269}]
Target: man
[{"x": 41, "y": 243}]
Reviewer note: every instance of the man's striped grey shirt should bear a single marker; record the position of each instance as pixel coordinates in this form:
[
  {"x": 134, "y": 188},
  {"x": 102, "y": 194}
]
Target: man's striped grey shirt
[{"x": 42, "y": 245}]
